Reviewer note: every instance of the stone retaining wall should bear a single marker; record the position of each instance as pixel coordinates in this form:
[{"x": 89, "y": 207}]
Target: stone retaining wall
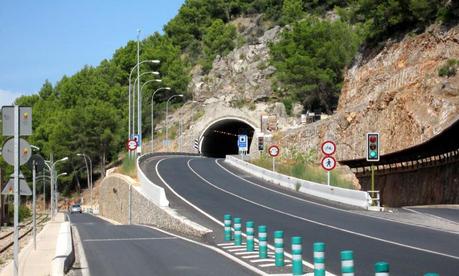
[{"x": 114, "y": 200}]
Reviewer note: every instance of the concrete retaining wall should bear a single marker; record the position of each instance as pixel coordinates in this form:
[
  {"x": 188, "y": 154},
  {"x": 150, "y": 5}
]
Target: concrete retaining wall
[
  {"x": 346, "y": 196},
  {"x": 114, "y": 200}
]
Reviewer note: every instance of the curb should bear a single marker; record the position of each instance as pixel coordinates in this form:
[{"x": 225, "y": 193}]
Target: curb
[{"x": 65, "y": 253}]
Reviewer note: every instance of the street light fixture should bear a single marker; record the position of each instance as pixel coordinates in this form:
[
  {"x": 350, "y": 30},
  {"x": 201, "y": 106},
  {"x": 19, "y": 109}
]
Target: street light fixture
[
  {"x": 89, "y": 170},
  {"x": 167, "y": 113},
  {"x": 152, "y": 114},
  {"x": 131, "y": 111},
  {"x": 51, "y": 165}
]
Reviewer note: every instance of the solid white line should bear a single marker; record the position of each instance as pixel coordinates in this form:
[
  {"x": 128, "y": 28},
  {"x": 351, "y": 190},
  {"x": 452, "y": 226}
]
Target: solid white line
[
  {"x": 251, "y": 256},
  {"x": 224, "y": 244},
  {"x": 247, "y": 253},
  {"x": 262, "y": 260},
  {"x": 222, "y": 252},
  {"x": 216, "y": 249},
  {"x": 326, "y": 206},
  {"x": 236, "y": 250},
  {"x": 211, "y": 217},
  {"x": 232, "y": 246},
  {"x": 130, "y": 239},
  {"x": 320, "y": 223},
  {"x": 267, "y": 265}
]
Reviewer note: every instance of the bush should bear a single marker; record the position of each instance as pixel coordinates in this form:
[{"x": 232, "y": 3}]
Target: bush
[
  {"x": 449, "y": 69},
  {"x": 24, "y": 212},
  {"x": 129, "y": 167}
]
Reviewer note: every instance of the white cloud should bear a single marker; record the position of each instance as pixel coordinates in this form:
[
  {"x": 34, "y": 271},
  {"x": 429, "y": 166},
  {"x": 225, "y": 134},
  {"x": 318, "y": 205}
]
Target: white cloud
[{"x": 8, "y": 97}]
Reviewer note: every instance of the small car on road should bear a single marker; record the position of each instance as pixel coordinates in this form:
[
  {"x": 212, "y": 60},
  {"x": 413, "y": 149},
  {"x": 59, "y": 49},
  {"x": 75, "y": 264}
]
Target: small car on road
[{"x": 75, "y": 208}]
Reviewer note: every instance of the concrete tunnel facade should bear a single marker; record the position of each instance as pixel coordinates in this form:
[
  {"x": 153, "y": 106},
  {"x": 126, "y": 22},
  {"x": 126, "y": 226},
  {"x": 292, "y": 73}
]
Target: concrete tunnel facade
[{"x": 219, "y": 138}]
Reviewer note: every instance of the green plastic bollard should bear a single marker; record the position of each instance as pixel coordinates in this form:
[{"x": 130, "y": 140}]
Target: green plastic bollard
[
  {"x": 279, "y": 248},
  {"x": 319, "y": 259},
  {"x": 237, "y": 231},
  {"x": 381, "y": 269},
  {"x": 297, "y": 259},
  {"x": 262, "y": 243},
  {"x": 431, "y": 274},
  {"x": 227, "y": 222},
  {"x": 347, "y": 263},
  {"x": 249, "y": 231}
]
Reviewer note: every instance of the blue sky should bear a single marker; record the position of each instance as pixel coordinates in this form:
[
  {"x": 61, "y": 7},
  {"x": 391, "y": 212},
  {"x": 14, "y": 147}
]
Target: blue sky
[{"x": 47, "y": 39}]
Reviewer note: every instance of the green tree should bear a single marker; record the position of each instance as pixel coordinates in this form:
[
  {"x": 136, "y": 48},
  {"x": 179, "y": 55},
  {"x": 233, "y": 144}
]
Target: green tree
[
  {"x": 310, "y": 60},
  {"x": 292, "y": 10},
  {"x": 218, "y": 40}
]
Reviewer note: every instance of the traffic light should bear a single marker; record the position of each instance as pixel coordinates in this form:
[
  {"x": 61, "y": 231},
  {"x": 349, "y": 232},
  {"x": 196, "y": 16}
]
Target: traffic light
[
  {"x": 372, "y": 147},
  {"x": 261, "y": 143}
]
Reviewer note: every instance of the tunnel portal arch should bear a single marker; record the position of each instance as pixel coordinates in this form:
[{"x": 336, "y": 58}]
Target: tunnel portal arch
[{"x": 219, "y": 138}]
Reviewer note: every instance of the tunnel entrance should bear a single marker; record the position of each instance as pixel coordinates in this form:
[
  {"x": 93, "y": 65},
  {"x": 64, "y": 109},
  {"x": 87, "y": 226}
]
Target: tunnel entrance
[{"x": 220, "y": 138}]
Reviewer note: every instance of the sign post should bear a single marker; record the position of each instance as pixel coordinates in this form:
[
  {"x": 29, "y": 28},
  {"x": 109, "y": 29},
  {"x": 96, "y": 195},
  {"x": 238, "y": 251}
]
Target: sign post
[
  {"x": 274, "y": 152},
  {"x": 242, "y": 145},
  {"x": 328, "y": 162},
  {"x": 17, "y": 121}
]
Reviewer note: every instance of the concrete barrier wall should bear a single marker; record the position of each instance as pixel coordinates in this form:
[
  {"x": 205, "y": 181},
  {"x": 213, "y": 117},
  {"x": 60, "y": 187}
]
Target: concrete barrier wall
[
  {"x": 65, "y": 255},
  {"x": 342, "y": 195},
  {"x": 151, "y": 191},
  {"x": 114, "y": 204}
]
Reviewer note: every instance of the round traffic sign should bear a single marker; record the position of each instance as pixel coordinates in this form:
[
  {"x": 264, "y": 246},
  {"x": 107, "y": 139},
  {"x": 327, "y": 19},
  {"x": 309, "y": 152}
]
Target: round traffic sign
[
  {"x": 328, "y": 163},
  {"x": 328, "y": 147},
  {"x": 25, "y": 151},
  {"x": 274, "y": 150},
  {"x": 131, "y": 144}
]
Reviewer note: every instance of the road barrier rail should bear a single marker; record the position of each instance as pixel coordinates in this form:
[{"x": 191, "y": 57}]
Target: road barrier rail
[{"x": 347, "y": 196}]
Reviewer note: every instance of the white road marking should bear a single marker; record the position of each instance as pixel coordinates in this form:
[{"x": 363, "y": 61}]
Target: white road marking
[
  {"x": 267, "y": 265},
  {"x": 247, "y": 253},
  {"x": 232, "y": 246},
  {"x": 250, "y": 257},
  {"x": 224, "y": 244},
  {"x": 236, "y": 250},
  {"x": 323, "y": 205},
  {"x": 211, "y": 217},
  {"x": 429, "y": 215},
  {"x": 267, "y": 260},
  {"x": 320, "y": 223},
  {"x": 130, "y": 239}
]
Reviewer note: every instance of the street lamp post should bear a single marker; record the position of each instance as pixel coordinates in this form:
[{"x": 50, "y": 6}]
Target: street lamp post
[
  {"x": 62, "y": 174},
  {"x": 167, "y": 113},
  {"x": 152, "y": 114},
  {"x": 51, "y": 165},
  {"x": 89, "y": 172},
  {"x": 131, "y": 110},
  {"x": 139, "y": 108}
]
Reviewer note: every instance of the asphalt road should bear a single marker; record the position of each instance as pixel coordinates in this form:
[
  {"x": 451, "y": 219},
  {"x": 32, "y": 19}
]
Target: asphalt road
[
  {"x": 138, "y": 250},
  {"x": 409, "y": 250},
  {"x": 451, "y": 214}
]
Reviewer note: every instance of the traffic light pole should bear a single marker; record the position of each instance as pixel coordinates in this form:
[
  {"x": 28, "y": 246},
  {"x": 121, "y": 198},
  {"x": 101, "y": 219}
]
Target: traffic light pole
[{"x": 372, "y": 182}]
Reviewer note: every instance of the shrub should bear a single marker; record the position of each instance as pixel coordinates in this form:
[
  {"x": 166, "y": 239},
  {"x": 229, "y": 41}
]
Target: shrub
[{"x": 449, "y": 69}]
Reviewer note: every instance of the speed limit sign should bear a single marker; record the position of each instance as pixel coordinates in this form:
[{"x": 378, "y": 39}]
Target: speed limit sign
[
  {"x": 131, "y": 144},
  {"x": 273, "y": 151}
]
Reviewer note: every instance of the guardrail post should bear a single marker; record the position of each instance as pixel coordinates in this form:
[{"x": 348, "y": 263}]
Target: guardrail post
[
  {"x": 347, "y": 263},
  {"x": 319, "y": 259},
  {"x": 297, "y": 259},
  {"x": 237, "y": 231},
  {"x": 249, "y": 231},
  {"x": 279, "y": 248},
  {"x": 262, "y": 243},
  {"x": 227, "y": 222},
  {"x": 381, "y": 269}
]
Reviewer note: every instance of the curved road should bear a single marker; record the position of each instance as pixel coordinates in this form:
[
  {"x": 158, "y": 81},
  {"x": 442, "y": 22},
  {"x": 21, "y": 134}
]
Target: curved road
[{"x": 216, "y": 189}]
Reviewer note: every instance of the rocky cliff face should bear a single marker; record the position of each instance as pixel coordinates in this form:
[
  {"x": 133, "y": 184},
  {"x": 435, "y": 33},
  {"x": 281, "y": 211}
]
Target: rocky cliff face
[{"x": 397, "y": 93}]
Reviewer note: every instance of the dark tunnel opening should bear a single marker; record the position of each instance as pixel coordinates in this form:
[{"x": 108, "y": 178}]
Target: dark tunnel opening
[{"x": 220, "y": 139}]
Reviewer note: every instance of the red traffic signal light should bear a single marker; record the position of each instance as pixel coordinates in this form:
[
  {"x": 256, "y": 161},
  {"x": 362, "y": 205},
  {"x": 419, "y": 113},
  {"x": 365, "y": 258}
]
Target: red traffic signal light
[{"x": 372, "y": 147}]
